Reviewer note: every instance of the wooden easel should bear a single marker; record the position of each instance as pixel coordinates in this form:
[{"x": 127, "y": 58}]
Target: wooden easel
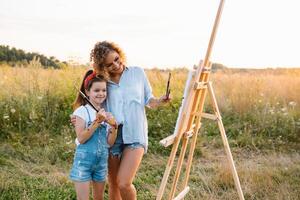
[{"x": 189, "y": 123}]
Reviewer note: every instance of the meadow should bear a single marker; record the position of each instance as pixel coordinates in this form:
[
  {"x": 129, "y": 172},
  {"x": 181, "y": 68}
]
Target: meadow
[{"x": 261, "y": 115}]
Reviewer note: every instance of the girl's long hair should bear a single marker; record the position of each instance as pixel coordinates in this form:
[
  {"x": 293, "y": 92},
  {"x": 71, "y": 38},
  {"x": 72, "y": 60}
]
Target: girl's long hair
[{"x": 79, "y": 101}]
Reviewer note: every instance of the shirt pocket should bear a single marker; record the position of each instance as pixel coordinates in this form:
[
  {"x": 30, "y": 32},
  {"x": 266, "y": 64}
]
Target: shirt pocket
[{"x": 134, "y": 95}]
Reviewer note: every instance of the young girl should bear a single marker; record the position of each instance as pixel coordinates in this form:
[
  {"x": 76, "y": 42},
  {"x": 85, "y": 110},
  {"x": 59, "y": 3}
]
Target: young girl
[{"x": 95, "y": 133}]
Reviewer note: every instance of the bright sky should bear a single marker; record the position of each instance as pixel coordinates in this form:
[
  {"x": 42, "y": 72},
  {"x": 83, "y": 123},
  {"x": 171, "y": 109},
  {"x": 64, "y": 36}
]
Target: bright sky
[{"x": 157, "y": 33}]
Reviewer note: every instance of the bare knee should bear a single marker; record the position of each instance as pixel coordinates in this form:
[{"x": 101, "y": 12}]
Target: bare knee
[{"x": 124, "y": 185}]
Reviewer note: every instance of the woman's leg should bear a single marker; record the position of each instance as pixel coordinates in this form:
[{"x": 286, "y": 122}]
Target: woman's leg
[
  {"x": 131, "y": 159},
  {"x": 82, "y": 190},
  {"x": 113, "y": 168},
  {"x": 98, "y": 190}
]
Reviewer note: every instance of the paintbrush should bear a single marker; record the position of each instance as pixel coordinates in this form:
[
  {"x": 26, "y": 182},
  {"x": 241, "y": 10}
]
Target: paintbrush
[
  {"x": 111, "y": 121},
  {"x": 86, "y": 98},
  {"x": 168, "y": 90}
]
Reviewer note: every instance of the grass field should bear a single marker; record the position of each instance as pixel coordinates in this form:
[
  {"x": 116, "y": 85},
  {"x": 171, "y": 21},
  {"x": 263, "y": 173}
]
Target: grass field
[{"x": 260, "y": 110}]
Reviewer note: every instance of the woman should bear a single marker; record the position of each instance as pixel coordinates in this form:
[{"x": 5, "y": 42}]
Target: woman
[{"x": 129, "y": 92}]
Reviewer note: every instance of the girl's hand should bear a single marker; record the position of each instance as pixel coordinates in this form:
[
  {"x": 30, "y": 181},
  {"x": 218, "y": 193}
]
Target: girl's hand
[
  {"x": 100, "y": 116},
  {"x": 111, "y": 120}
]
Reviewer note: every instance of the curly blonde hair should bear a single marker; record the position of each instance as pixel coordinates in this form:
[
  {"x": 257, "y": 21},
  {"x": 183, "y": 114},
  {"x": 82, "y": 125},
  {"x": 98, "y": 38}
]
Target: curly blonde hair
[{"x": 99, "y": 54}]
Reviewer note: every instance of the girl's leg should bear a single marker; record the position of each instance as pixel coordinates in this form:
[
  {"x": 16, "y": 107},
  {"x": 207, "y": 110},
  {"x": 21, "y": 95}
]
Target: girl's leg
[
  {"x": 113, "y": 168},
  {"x": 82, "y": 190},
  {"x": 131, "y": 159},
  {"x": 98, "y": 190}
]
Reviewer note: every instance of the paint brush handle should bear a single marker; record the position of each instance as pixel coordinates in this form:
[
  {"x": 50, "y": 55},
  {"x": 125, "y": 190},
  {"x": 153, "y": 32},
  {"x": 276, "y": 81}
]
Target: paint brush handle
[
  {"x": 168, "y": 90},
  {"x": 86, "y": 98},
  {"x": 88, "y": 101}
]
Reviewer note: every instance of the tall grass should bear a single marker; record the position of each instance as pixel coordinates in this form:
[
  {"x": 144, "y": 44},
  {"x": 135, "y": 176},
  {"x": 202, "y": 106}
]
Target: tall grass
[
  {"x": 260, "y": 110},
  {"x": 254, "y": 104},
  {"x": 262, "y": 104}
]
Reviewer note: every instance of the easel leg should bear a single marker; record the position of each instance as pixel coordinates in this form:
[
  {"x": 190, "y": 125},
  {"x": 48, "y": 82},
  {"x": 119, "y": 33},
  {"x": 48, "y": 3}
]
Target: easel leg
[
  {"x": 170, "y": 163},
  {"x": 179, "y": 165},
  {"x": 168, "y": 169},
  {"x": 225, "y": 142},
  {"x": 191, "y": 153}
]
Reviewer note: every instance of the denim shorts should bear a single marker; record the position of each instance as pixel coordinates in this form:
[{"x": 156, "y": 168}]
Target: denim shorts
[
  {"x": 89, "y": 166},
  {"x": 119, "y": 146}
]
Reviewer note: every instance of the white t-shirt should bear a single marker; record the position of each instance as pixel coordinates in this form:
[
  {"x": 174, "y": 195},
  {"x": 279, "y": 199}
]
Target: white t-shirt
[{"x": 83, "y": 114}]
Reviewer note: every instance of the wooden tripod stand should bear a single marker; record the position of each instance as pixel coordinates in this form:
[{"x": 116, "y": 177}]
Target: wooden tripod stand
[{"x": 189, "y": 123}]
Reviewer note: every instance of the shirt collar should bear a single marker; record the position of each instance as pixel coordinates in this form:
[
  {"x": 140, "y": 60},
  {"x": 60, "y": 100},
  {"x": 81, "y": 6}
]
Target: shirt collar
[{"x": 126, "y": 69}]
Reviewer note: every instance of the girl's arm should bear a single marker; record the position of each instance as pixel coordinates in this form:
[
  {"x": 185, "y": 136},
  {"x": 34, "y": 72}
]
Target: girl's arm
[
  {"x": 112, "y": 136},
  {"x": 83, "y": 134},
  {"x": 113, "y": 130}
]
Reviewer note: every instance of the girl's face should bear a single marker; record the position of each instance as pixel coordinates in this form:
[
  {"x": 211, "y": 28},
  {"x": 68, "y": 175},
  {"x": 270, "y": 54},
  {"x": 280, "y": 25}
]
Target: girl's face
[
  {"x": 113, "y": 63},
  {"x": 97, "y": 93}
]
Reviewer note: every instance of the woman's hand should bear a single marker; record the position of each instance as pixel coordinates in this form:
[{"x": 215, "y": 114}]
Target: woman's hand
[
  {"x": 165, "y": 99},
  {"x": 72, "y": 120},
  {"x": 155, "y": 102}
]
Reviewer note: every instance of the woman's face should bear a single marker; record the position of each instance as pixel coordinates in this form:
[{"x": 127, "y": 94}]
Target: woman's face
[{"x": 113, "y": 63}]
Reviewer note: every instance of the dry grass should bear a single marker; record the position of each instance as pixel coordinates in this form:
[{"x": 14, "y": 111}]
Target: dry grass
[
  {"x": 237, "y": 90},
  {"x": 240, "y": 91},
  {"x": 36, "y": 141},
  {"x": 262, "y": 176}
]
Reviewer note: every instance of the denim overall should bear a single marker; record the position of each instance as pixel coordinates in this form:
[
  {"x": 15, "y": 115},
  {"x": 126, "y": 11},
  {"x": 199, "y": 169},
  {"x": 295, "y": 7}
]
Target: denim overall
[{"x": 90, "y": 160}]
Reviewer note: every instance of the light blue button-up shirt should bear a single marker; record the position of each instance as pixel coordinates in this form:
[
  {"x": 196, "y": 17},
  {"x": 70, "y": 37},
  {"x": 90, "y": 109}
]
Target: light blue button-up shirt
[{"x": 127, "y": 101}]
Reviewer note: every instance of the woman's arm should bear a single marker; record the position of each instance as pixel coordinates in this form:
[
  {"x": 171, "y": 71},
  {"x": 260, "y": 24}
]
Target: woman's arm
[
  {"x": 156, "y": 102},
  {"x": 150, "y": 100}
]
